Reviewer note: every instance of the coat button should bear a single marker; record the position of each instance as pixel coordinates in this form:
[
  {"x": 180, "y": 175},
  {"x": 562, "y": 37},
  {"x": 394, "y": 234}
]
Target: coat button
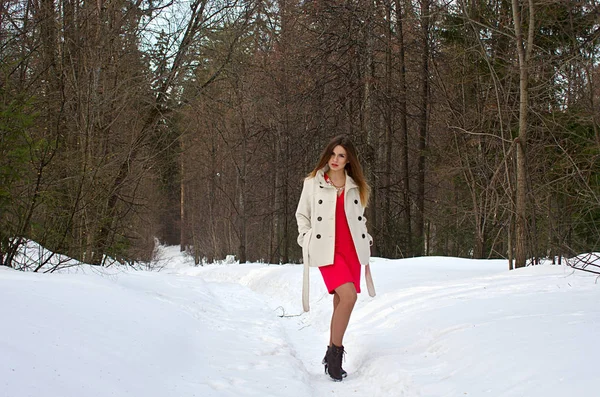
[
  {"x": 355, "y": 201},
  {"x": 360, "y": 218},
  {"x": 319, "y": 236},
  {"x": 320, "y": 201},
  {"x": 319, "y": 219},
  {"x": 362, "y": 235}
]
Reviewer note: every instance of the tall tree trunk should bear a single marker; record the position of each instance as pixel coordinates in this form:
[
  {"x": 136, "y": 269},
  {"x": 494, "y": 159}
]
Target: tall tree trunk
[
  {"x": 276, "y": 198},
  {"x": 524, "y": 49},
  {"x": 510, "y": 240},
  {"x": 423, "y": 119},
  {"x": 216, "y": 240},
  {"x": 286, "y": 32},
  {"x": 368, "y": 123},
  {"x": 550, "y": 228},
  {"x": 404, "y": 160},
  {"x": 387, "y": 235},
  {"x": 183, "y": 230},
  {"x": 281, "y": 193},
  {"x": 284, "y": 238},
  {"x": 242, "y": 196}
]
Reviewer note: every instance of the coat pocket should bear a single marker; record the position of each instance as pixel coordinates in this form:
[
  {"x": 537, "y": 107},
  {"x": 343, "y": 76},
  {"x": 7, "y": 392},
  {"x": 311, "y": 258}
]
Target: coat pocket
[{"x": 305, "y": 246}]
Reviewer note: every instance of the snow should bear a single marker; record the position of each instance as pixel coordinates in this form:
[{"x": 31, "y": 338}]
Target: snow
[{"x": 437, "y": 327}]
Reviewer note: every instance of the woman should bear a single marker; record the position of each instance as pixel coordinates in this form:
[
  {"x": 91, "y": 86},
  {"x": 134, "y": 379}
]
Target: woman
[{"x": 332, "y": 232}]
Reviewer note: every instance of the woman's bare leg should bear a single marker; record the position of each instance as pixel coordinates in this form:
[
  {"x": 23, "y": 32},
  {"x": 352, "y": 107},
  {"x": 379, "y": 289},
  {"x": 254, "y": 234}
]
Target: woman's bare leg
[
  {"x": 346, "y": 294},
  {"x": 336, "y": 301}
]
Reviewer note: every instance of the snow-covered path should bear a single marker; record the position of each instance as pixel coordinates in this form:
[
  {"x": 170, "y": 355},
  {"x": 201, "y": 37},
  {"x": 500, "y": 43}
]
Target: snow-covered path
[
  {"x": 438, "y": 327},
  {"x": 443, "y": 327}
]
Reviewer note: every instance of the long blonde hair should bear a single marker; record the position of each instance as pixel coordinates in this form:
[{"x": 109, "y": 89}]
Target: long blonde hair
[{"x": 353, "y": 167}]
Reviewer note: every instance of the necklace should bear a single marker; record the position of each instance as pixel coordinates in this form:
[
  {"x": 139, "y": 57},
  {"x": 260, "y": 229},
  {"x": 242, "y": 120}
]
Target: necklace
[{"x": 338, "y": 188}]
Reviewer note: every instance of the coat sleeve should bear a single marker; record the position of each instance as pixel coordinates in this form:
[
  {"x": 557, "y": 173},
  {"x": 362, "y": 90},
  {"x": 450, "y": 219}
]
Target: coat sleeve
[
  {"x": 368, "y": 235},
  {"x": 303, "y": 212}
]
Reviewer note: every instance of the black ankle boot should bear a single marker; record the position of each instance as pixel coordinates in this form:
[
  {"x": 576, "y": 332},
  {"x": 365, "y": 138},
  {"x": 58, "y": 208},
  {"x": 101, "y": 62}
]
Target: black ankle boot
[
  {"x": 334, "y": 362},
  {"x": 324, "y": 362}
]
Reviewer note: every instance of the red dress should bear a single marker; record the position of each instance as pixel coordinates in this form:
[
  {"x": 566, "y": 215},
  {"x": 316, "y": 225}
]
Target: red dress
[{"x": 346, "y": 266}]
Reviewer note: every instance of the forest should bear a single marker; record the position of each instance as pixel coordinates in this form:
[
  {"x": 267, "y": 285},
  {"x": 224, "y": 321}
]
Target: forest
[{"x": 131, "y": 123}]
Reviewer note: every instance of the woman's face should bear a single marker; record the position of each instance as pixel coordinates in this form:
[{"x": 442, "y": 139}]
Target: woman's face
[{"x": 338, "y": 159}]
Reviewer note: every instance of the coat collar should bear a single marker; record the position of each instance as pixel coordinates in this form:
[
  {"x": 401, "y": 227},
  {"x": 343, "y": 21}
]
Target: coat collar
[{"x": 350, "y": 184}]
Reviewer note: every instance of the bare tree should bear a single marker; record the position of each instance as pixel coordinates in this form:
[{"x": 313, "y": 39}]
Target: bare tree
[{"x": 524, "y": 50}]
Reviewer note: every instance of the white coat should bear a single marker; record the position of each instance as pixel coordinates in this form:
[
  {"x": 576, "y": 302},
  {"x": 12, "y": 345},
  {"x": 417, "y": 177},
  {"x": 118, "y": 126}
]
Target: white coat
[{"x": 315, "y": 216}]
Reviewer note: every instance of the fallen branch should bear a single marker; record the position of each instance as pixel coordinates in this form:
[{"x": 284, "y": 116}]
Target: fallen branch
[
  {"x": 586, "y": 262},
  {"x": 287, "y": 315}
]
